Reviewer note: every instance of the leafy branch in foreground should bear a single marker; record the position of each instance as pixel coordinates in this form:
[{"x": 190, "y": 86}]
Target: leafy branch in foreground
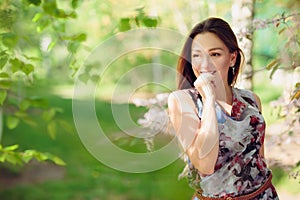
[
  {"x": 29, "y": 32},
  {"x": 11, "y": 155}
]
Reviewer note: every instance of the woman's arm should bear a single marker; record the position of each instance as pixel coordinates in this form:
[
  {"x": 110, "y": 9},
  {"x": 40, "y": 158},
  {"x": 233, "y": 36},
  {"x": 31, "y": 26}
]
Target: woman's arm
[{"x": 199, "y": 139}]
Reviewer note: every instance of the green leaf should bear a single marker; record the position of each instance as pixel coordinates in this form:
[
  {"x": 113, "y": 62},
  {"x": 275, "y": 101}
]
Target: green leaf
[
  {"x": 48, "y": 115},
  {"x": 21, "y": 114},
  {"x": 12, "y": 122},
  {"x": 51, "y": 45},
  {"x": 16, "y": 64},
  {"x": 73, "y": 46},
  {"x": 124, "y": 24},
  {"x": 54, "y": 158},
  {"x": 58, "y": 161},
  {"x": 29, "y": 121},
  {"x": 37, "y": 17},
  {"x": 8, "y": 15},
  {"x": 2, "y": 157},
  {"x": 76, "y": 3},
  {"x": 62, "y": 14},
  {"x": 76, "y": 38},
  {"x": 4, "y": 75},
  {"x": 41, "y": 156},
  {"x": 32, "y": 58},
  {"x": 43, "y": 23},
  {"x": 59, "y": 13},
  {"x": 80, "y": 37},
  {"x": 150, "y": 22},
  {"x": 13, "y": 158},
  {"x": 28, "y": 155},
  {"x": 84, "y": 77},
  {"x": 11, "y": 148},
  {"x": 5, "y": 84},
  {"x": 66, "y": 126},
  {"x": 27, "y": 68},
  {"x": 35, "y": 2},
  {"x": 3, "y": 94},
  {"x": 9, "y": 39},
  {"x": 3, "y": 61},
  {"x": 36, "y": 101},
  {"x": 24, "y": 105},
  {"x": 95, "y": 78},
  {"x": 8, "y": 154},
  {"x": 3, "y": 53},
  {"x": 51, "y": 128},
  {"x": 50, "y": 7}
]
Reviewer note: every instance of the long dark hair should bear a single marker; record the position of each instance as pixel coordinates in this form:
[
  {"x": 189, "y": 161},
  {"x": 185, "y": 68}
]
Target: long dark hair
[{"x": 221, "y": 28}]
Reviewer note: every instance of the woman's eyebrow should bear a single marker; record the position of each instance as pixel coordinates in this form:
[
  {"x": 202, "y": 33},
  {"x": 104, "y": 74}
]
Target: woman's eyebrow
[
  {"x": 216, "y": 48},
  {"x": 212, "y": 49}
]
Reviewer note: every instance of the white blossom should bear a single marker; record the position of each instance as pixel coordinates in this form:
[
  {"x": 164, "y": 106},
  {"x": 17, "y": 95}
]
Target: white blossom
[{"x": 156, "y": 119}]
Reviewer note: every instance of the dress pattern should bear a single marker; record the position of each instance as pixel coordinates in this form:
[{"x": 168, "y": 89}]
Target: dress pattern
[{"x": 239, "y": 169}]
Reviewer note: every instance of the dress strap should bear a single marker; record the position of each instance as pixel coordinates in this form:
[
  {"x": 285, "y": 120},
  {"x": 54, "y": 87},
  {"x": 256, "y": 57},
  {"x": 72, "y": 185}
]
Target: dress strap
[
  {"x": 197, "y": 99},
  {"x": 194, "y": 94},
  {"x": 247, "y": 96}
]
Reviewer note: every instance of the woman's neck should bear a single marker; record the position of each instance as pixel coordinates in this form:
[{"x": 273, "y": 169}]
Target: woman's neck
[
  {"x": 224, "y": 94},
  {"x": 226, "y": 104},
  {"x": 229, "y": 94}
]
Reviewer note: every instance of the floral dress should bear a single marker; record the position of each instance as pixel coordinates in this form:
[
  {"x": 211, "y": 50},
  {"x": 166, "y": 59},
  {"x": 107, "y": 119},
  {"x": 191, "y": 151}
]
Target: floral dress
[{"x": 239, "y": 168}]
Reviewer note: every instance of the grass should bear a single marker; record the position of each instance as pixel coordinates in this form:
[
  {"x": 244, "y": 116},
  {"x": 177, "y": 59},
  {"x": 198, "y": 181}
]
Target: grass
[{"x": 88, "y": 179}]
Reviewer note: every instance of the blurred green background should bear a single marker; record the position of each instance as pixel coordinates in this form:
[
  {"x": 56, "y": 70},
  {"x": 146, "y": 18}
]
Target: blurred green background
[{"x": 44, "y": 44}]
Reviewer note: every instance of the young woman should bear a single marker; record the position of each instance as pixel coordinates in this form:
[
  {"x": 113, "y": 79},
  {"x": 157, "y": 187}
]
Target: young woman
[{"x": 220, "y": 127}]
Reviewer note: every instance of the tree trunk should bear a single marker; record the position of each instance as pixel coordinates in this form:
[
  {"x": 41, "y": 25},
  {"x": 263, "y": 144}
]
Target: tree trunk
[{"x": 242, "y": 17}]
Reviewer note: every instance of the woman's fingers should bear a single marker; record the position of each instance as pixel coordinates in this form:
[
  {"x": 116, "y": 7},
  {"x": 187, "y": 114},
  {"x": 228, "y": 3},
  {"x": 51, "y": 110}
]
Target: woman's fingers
[{"x": 205, "y": 84}]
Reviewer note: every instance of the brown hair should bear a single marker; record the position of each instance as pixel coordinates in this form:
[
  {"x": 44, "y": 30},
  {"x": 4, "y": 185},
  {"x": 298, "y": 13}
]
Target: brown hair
[{"x": 222, "y": 29}]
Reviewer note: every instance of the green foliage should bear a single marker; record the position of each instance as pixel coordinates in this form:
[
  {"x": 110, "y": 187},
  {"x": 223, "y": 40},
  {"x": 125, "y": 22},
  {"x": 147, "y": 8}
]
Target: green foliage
[
  {"x": 3, "y": 95},
  {"x": 138, "y": 20},
  {"x": 34, "y": 2},
  {"x": 9, "y": 39},
  {"x": 12, "y": 122},
  {"x": 124, "y": 24},
  {"x": 23, "y": 26},
  {"x": 50, "y": 8},
  {"x": 76, "y": 3},
  {"x": 89, "y": 179},
  {"x": 287, "y": 27},
  {"x": 11, "y": 155}
]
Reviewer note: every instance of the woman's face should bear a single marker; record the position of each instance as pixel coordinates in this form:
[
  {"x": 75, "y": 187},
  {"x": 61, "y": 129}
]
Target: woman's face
[{"x": 220, "y": 56}]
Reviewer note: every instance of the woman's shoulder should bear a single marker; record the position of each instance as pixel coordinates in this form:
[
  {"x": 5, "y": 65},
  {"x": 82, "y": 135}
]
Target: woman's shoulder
[
  {"x": 190, "y": 93},
  {"x": 244, "y": 92},
  {"x": 183, "y": 96},
  {"x": 249, "y": 96}
]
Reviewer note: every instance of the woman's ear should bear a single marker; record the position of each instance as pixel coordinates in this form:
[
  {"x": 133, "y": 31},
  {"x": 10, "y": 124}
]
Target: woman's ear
[{"x": 233, "y": 58}]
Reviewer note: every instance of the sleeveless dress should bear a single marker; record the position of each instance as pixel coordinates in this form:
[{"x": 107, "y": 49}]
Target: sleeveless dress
[{"x": 239, "y": 168}]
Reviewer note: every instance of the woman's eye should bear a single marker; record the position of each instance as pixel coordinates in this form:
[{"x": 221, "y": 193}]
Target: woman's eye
[
  {"x": 195, "y": 55},
  {"x": 215, "y": 54}
]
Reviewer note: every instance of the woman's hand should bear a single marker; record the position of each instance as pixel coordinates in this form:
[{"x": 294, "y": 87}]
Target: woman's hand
[{"x": 205, "y": 84}]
